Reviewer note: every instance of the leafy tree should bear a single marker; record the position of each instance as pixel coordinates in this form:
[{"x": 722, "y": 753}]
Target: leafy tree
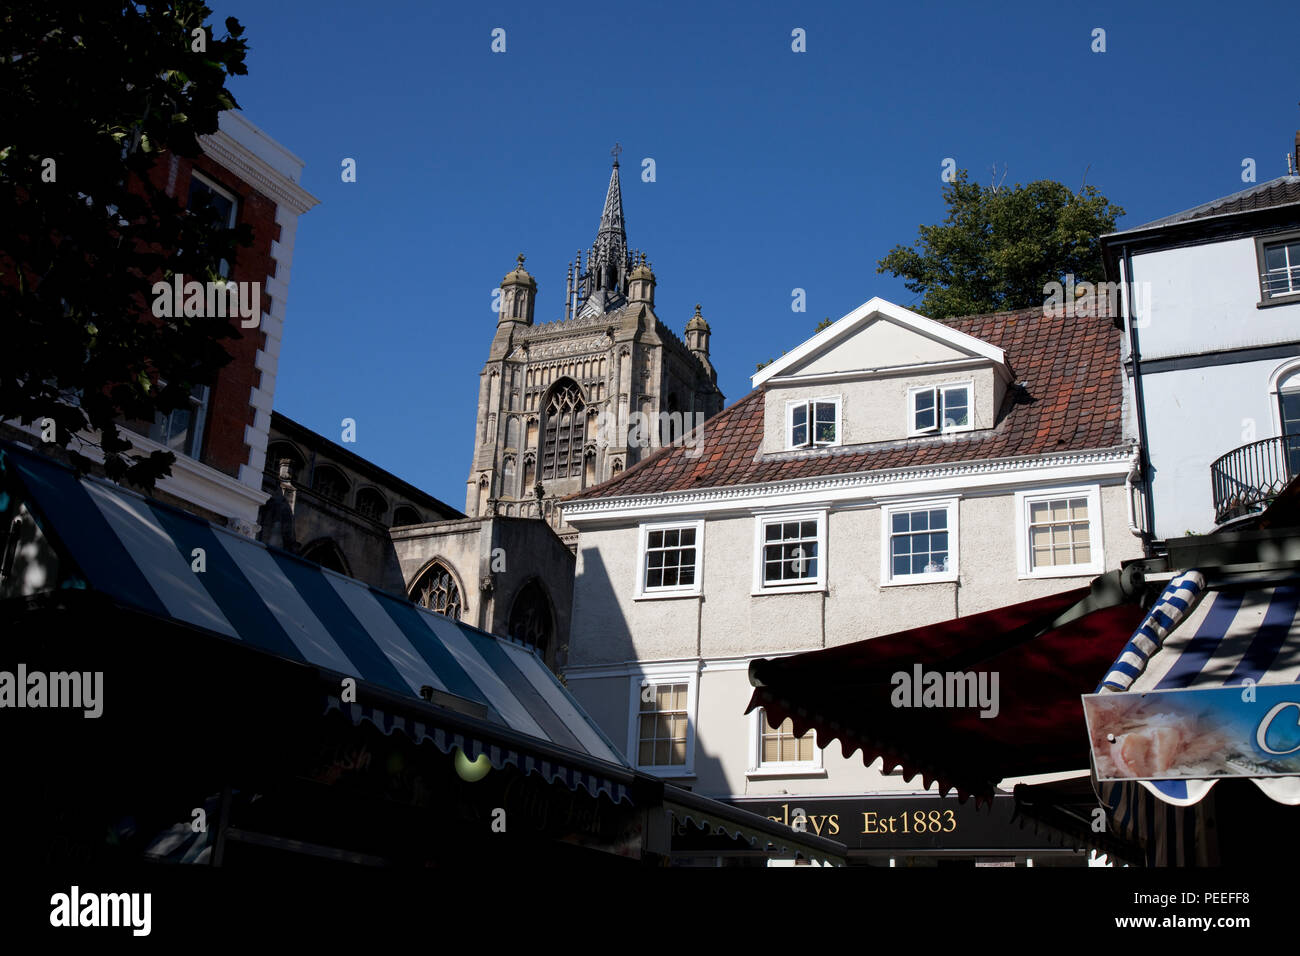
[
  {"x": 92, "y": 94},
  {"x": 999, "y": 247}
]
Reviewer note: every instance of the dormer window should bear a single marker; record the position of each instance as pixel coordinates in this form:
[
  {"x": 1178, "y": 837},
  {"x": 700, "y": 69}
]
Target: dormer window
[
  {"x": 813, "y": 423},
  {"x": 941, "y": 409}
]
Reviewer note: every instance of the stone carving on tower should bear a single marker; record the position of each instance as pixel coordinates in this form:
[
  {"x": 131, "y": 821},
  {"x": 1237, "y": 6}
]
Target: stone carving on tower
[{"x": 568, "y": 404}]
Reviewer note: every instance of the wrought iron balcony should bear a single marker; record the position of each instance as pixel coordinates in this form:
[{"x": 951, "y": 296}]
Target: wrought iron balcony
[{"x": 1247, "y": 479}]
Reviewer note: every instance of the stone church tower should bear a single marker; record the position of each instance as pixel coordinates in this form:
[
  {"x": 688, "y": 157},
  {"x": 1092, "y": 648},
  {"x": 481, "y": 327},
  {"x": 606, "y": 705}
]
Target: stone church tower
[{"x": 567, "y": 404}]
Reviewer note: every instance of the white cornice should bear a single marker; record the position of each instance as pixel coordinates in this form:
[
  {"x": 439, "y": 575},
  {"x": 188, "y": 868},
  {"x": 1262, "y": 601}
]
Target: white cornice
[
  {"x": 190, "y": 480},
  {"x": 949, "y": 477},
  {"x": 658, "y": 668},
  {"x": 226, "y": 150}
]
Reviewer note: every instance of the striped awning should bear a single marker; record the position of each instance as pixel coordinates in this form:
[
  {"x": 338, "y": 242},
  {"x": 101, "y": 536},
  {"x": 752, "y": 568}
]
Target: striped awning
[
  {"x": 163, "y": 561},
  {"x": 1217, "y": 638}
]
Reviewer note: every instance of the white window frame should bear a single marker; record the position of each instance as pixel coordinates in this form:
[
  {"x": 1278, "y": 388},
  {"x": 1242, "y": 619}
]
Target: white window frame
[
  {"x": 887, "y": 512},
  {"x": 1096, "y": 546},
  {"x": 792, "y": 768},
  {"x": 1284, "y": 380},
  {"x": 198, "y": 408},
  {"x": 761, "y": 521},
  {"x": 216, "y": 187},
  {"x": 643, "y": 593},
  {"x": 650, "y": 674},
  {"x": 1262, "y": 245},
  {"x": 939, "y": 391},
  {"x": 791, "y": 405}
]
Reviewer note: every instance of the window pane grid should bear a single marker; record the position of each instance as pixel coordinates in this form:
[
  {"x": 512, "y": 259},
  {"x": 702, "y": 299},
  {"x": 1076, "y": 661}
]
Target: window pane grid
[
  {"x": 780, "y": 745},
  {"x": 956, "y": 407},
  {"x": 662, "y": 726},
  {"x": 670, "y": 558},
  {"x": 814, "y": 423},
  {"x": 1059, "y": 533},
  {"x": 924, "y": 415},
  {"x": 789, "y": 552},
  {"x": 918, "y": 542},
  {"x": 1282, "y": 269}
]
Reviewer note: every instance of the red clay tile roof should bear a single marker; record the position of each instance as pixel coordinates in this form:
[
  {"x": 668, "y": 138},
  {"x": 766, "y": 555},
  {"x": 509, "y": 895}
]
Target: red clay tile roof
[{"x": 1072, "y": 401}]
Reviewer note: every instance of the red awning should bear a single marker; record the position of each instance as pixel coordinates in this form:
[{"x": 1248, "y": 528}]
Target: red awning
[{"x": 845, "y": 692}]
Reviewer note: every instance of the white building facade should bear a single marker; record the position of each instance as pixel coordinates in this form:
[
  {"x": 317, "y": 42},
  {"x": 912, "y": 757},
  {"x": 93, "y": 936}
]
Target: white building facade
[
  {"x": 1212, "y": 354},
  {"x": 890, "y": 472}
]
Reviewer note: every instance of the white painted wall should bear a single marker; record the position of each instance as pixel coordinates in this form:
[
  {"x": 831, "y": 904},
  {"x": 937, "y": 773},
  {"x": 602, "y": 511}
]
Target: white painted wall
[
  {"x": 878, "y": 409},
  {"x": 1191, "y": 301},
  {"x": 1193, "y": 417},
  {"x": 1205, "y": 298},
  {"x": 614, "y": 634}
]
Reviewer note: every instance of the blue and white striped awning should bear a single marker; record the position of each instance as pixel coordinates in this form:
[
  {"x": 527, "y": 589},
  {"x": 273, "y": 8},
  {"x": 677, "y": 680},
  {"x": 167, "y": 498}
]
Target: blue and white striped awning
[
  {"x": 143, "y": 554},
  {"x": 1220, "y": 638}
]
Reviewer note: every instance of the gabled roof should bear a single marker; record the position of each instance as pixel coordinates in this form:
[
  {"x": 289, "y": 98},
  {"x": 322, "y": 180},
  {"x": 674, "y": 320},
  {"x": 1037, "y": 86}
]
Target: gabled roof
[
  {"x": 1072, "y": 401},
  {"x": 1283, "y": 191},
  {"x": 875, "y": 308}
]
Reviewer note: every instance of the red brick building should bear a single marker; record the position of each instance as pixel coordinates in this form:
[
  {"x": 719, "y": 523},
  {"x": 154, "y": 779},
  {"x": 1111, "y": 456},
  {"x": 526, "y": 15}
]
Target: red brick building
[{"x": 220, "y": 441}]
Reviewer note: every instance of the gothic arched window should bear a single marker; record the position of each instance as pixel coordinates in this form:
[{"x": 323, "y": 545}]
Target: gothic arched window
[
  {"x": 565, "y": 428},
  {"x": 282, "y": 449},
  {"x": 531, "y": 620},
  {"x": 329, "y": 483},
  {"x": 327, "y": 554},
  {"x": 437, "y": 591},
  {"x": 405, "y": 514},
  {"x": 371, "y": 504}
]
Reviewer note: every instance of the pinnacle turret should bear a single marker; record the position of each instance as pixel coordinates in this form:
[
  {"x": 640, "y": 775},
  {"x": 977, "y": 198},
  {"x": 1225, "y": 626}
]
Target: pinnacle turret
[{"x": 603, "y": 285}]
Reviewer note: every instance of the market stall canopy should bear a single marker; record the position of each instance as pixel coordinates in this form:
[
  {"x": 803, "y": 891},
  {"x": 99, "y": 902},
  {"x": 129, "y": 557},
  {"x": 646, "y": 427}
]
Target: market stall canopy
[
  {"x": 1041, "y": 653},
  {"x": 419, "y": 673},
  {"x": 1202, "y": 638},
  {"x": 147, "y": 556}
]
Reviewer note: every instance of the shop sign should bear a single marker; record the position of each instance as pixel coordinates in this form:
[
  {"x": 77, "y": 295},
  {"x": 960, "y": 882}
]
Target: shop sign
[
  {"x": 1249, "y": 730},
  {"x": 903, "y": 823}
]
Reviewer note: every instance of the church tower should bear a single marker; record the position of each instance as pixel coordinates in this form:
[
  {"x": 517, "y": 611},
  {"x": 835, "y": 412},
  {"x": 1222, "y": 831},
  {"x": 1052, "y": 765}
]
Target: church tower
[{"x": 568, "y": 404}]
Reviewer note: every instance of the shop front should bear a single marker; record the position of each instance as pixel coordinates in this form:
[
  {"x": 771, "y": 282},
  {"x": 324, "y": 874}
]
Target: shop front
[
  {"x": 1195, "y": 728},
  {"x": 917, "y": 701},
  {"x": 922, "y": 830}
]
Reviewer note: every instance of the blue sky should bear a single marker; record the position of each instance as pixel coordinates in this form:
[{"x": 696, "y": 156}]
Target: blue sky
[{"x": 774, "y": 169}]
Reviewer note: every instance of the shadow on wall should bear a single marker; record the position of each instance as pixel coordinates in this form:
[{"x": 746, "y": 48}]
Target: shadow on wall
[{"x": 601, "y": 634}]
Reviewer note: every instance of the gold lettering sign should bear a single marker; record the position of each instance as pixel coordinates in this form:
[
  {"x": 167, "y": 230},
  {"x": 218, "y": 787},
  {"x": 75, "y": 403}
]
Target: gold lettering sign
[{"x": 915, "y": 821}]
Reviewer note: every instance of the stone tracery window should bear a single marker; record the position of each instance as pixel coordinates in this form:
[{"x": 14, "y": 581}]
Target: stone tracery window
[
  {"x": 565, "y": 429},
  {"x": 371, "y": 504},
  {"x": 329, "y": 483},
  {"x": 437, "y": 591},
  {"x": 531, "y": 618}
]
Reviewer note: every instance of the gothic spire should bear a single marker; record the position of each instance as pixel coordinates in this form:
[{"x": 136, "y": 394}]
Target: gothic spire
[
  {"x": 604, "y": 284},
  {"x": 611, "y": 239}
]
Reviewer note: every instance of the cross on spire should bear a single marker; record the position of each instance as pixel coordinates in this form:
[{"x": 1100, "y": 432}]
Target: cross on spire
[{"x": 618, "y": 148}]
